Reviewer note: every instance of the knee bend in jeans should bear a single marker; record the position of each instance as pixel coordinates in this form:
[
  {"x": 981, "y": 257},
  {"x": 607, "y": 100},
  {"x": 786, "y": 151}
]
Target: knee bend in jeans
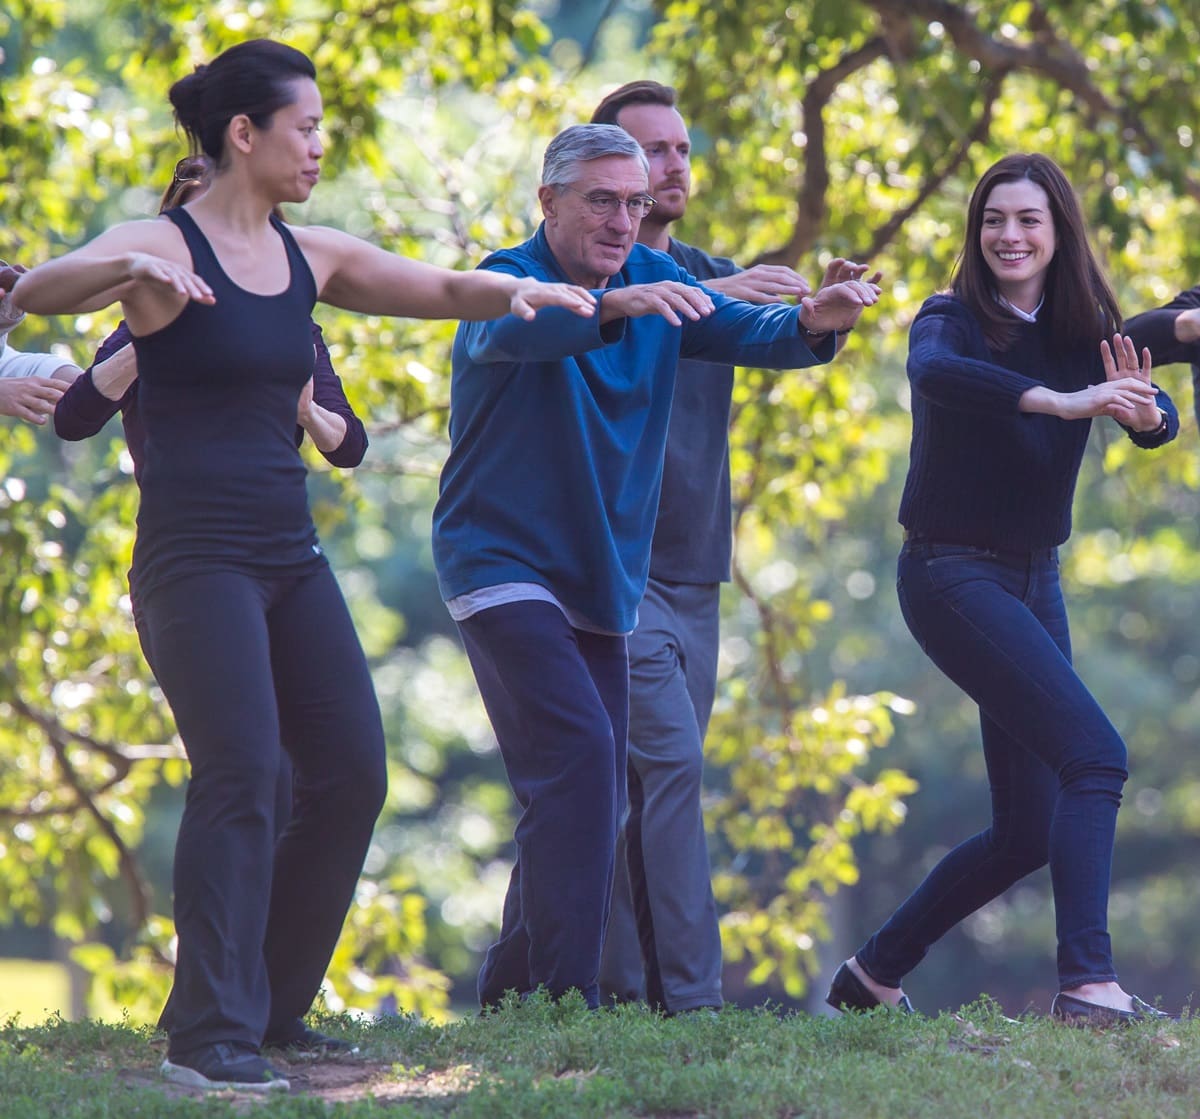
[
  {"x": 1022, "y": 851},
  {"x": 1100, "y": 766}
]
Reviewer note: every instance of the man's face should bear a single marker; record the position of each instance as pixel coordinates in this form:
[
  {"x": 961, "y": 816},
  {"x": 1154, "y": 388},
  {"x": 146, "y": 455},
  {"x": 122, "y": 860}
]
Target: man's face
[
  {"x": 664, "y": 138},
  {"x": 592, "y": 246}
]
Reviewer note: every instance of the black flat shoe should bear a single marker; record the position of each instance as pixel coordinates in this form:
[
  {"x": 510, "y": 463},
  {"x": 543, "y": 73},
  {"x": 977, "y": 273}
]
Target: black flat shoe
[
  {"x": 1076, "y": 1012},
  {"x": 848, "y": 992}
]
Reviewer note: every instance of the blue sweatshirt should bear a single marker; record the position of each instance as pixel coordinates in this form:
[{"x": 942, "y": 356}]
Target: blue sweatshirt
[
  {"x": 557, "y": 433},
  {"x": 980, "y": 470}
]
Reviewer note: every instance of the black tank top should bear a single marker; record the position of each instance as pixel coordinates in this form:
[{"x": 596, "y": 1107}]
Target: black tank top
[{"x": 223, "y": 486}]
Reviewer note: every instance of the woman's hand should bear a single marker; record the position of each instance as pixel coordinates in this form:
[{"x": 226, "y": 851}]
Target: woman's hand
[
  {"x": 531, "y": 295},
  {"x": 1121, "y": 363},
  {"x": 1126, "y": 394},
  {"x": 144, "y": 268}
]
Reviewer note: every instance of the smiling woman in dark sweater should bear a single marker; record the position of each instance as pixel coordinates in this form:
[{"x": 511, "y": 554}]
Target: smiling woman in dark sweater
[{"x": 1007, "y": 372}]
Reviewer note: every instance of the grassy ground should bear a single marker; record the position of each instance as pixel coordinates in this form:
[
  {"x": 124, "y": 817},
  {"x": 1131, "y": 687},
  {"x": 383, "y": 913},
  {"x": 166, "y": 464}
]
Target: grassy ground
[{"x": 550, "y": 1061}]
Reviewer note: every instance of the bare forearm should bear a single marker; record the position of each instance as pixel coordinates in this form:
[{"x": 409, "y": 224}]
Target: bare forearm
[
  {"x": 73, "y": 283},
  {"x": 480, "y": 294},
  {"x": 1039, "y": 399},
  {"x": 325, "y": 428},
  {"x": 1187, "y": 326},
  {"x": 113, "y": 376}
]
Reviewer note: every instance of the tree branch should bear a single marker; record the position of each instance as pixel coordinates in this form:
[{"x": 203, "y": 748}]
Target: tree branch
[
  {"x": 810, "y": 218},
  {"x": 882, "y": 237},
  {"x": 139, "y": 889}
]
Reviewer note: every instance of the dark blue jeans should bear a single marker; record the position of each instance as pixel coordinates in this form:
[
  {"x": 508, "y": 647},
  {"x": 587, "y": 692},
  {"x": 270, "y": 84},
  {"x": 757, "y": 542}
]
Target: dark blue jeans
[
  {"x": 994, "y": 622},
  {"x": 558, "y": 700}
]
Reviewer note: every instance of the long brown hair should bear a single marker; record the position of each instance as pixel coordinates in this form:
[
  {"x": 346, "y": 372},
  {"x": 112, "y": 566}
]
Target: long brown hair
[
  {"x": 1079, "y": 301},
  {"x": 191, "y": 172}
]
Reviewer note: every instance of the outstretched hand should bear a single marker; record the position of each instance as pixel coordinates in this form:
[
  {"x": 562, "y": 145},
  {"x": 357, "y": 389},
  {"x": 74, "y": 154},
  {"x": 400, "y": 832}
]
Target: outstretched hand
[
  {"x": 837, "y": 306},
  {"x": 839, "y": 270},
  {"x": 763, "y": 283},
  {"x": 155, "y": 270},
  {"x": 668, "y": 298},
  {"x": 1121, "y": 364},
  {"x": 1126, "y": 393},
  {"x": 531, "y": 295},
  {"x": 29, "y": 398}
]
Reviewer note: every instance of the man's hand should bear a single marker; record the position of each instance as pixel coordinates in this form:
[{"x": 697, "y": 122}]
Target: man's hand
[
  {"x": 29, "y": 398},
  {"x": 837, "y": 306},
  {"x": 668, "y": 298},
  {"x": 764, "y": 283},
  {"x": 839, "y": 270}
]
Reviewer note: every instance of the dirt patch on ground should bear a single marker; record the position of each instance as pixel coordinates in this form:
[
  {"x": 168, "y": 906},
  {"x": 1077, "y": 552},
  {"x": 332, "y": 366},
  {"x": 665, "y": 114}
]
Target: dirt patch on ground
[{"x": 334, "y": 1080}]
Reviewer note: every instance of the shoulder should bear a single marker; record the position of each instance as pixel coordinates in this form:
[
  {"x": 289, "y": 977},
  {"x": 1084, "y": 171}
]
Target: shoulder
[
  {"x": 646, "y": 265},
  {"x": 947, "y": 304},
  {"x": 320, "y": 237},
  {"x": 945, "y": 321},
  {"x": 152, "y": 235},
  {"x": 700, "y": 264},
  {"x": 519, "y": 260}
]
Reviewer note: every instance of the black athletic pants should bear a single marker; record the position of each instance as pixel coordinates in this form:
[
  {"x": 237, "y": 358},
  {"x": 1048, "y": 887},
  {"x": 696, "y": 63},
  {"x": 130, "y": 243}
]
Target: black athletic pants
[{"x": 248, "y": 662}]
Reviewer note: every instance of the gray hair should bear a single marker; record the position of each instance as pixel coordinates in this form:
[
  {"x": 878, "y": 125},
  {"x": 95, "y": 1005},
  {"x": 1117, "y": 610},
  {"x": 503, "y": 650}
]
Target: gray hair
[{"x": 583, "y": 142}]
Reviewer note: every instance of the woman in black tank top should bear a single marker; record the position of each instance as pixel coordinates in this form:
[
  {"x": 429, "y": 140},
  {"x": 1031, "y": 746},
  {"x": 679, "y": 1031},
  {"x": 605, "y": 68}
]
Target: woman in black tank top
[{"x": 250, "y": 638}]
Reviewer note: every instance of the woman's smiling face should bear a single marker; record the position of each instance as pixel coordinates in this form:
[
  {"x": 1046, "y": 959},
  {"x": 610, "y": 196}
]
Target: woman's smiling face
[{"x": 1018, "y": 240}]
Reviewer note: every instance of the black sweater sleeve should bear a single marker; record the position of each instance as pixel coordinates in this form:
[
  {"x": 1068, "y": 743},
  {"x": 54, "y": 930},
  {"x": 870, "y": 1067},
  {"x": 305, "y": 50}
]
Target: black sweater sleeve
[
  {"x": 1155, "y": 330},
  {"x": 328, "y": 393},
  {"x": 83, "y": 410},
  {"x": 942, "y": 369}
]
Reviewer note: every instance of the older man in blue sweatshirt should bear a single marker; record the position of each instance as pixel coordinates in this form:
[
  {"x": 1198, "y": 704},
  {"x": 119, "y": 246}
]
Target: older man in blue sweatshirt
[{"x": 543, "y": 526}]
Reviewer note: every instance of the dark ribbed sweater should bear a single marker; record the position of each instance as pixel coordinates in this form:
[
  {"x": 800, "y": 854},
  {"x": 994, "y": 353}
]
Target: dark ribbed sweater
[{"x": 981, "y": 471}]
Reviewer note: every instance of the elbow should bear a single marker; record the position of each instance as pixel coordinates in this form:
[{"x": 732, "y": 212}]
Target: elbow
[
  {"x": 351, "y": 451},
  {"x": 68, "y": 428}
]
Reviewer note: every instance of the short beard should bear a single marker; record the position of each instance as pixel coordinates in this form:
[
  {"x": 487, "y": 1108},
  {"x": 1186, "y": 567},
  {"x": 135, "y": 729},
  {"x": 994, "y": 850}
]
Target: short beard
[{"x": 663, "y": 215}]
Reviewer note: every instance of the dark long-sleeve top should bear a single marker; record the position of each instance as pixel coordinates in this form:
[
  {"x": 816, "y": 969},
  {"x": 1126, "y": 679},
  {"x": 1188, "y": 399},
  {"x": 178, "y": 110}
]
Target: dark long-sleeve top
[
  {"x": 558, "y": 428},
  {"x": 1155, "y": 330},
  {"x": 981, "y": 471},
  {"x": 694, "y": 531},
  {"x": 84, "y": 409}
]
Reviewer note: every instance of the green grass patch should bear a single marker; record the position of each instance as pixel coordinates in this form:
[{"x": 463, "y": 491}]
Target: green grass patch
[{"x": 537, "y": 1059}]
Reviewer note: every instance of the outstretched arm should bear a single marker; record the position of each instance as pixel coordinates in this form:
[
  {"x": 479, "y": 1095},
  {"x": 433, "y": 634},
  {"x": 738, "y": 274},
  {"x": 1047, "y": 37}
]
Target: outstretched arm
[
  {"x": 1126, "y": 393},
  {"x": 358, "y": 276},
  {"x": 133, "y": 263},
  {"x": 1170, "y": 332}
]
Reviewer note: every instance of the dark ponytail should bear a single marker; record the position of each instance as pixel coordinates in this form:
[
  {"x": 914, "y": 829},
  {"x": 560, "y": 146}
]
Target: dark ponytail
[{"x": 254, "y": 78}]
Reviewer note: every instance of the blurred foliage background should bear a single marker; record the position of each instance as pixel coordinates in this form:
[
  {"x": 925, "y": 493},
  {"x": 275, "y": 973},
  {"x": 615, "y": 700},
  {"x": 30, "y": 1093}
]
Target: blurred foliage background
[{"x": 841, "y": 764}]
